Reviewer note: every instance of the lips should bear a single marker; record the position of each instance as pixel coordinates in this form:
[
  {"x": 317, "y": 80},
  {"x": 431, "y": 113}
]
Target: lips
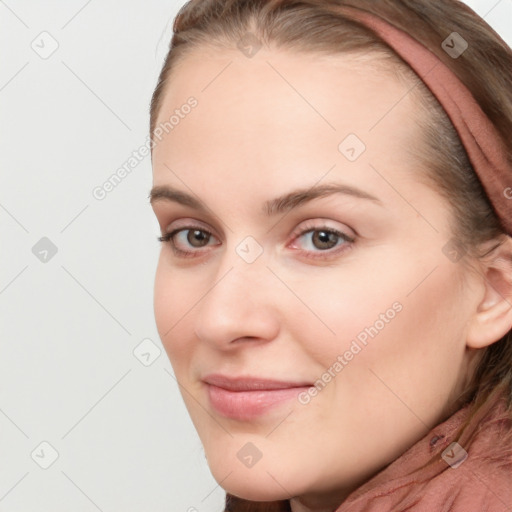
[
  {"x": 250, "y": 383},
  {"x": 246, "y": 398}
]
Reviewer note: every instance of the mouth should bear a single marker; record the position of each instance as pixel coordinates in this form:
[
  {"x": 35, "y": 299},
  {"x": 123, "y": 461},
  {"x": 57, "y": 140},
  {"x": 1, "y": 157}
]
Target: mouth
[{"x": 246, "y": 398}]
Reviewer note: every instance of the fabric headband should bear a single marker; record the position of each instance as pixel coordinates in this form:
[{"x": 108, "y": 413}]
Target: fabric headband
[{"x": 482, "y": 142}]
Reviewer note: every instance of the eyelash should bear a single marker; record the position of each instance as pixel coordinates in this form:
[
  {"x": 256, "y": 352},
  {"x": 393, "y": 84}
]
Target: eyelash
[{"x": 168, "y": 238}]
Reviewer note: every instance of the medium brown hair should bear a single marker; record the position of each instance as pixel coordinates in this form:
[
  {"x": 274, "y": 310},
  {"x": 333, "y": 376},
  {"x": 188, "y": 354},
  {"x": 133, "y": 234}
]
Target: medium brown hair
[{"x": 323, "y": 26}]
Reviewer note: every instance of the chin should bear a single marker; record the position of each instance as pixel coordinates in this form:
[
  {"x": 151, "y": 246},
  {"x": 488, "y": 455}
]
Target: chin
[
  {"x": 262, "y": 482},
  {"x": 251, "y": 491}
]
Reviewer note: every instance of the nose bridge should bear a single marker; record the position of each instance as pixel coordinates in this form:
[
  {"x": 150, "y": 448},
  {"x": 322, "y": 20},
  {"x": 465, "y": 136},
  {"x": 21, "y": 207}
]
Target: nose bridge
[
  {"x": 239, "y": 278},
  {"x": 237, "y": 302},
  {"x": 242, "y": 267}
]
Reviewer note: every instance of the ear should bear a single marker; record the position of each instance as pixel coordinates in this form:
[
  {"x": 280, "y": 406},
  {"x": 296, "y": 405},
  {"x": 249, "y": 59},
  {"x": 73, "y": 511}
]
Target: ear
[{"x": 493, "y": 316}]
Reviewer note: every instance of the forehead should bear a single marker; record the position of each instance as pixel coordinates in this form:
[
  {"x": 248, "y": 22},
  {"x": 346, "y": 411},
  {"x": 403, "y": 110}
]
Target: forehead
[{"x": 280, "y": 114}]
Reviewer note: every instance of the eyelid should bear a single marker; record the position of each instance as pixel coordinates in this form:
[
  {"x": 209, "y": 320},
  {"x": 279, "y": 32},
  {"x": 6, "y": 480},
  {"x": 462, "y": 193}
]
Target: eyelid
[
  {"x": 186, "y": 223},
  {"x": 320, "y": 223},
  {"x": 311, "y": 223}
]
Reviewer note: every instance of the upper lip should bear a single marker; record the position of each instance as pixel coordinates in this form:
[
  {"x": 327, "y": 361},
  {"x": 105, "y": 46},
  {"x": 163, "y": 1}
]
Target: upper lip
[{"x": 248, "y": 383}]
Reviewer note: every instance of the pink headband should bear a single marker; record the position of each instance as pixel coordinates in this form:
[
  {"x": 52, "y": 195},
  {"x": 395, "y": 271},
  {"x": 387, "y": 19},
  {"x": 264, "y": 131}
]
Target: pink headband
[{"x": 480, "y": 138}]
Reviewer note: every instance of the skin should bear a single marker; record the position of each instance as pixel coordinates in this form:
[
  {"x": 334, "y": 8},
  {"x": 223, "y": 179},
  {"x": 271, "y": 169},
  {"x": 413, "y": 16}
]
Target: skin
[{"x": 289, "y": 315}]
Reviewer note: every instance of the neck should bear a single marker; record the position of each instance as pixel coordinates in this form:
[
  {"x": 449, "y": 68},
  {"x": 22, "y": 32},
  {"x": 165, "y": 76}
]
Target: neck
[{"x": 329, "y": 503}]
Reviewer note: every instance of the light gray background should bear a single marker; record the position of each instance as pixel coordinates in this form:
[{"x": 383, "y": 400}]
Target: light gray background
[{"x": 70, "y": 325}]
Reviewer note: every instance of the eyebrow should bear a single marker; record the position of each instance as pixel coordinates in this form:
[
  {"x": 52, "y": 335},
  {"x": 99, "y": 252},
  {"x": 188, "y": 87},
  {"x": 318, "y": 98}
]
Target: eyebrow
[{"x": 272, "y": 207}]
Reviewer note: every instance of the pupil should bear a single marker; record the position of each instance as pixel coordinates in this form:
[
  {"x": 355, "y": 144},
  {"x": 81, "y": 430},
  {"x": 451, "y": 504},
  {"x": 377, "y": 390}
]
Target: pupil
[{"x": 197, "y": 236}]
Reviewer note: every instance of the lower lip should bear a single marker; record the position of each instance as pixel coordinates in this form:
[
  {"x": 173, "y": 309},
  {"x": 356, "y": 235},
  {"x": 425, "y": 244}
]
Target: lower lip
[{"x": 247, "y": 405}]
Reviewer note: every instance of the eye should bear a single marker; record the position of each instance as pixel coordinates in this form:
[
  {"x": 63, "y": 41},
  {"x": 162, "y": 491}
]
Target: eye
[
  {"x": 321, "y": 240},
  {"x": 196, "y": 236}
]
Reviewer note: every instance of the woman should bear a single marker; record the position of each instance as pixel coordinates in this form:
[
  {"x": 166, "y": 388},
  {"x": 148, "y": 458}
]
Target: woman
[{"x": 332, "y": 180}]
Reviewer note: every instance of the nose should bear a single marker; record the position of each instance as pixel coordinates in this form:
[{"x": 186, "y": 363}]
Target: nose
[{"x": 240, "y": 302}]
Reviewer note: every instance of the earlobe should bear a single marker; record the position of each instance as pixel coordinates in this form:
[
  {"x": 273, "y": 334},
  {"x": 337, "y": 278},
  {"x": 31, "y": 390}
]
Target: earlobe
[{"x": 493, "y": 317}]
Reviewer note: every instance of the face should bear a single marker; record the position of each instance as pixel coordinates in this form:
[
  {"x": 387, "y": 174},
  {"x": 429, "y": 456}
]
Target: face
[{"x": 315, "y": 335}]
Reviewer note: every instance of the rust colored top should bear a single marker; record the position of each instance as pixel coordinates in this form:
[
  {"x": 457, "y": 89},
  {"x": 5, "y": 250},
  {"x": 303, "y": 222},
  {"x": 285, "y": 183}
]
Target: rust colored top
[{"x": 442, "y": 473}]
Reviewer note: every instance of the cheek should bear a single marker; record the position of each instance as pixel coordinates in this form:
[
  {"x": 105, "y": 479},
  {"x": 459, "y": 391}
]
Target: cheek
[
  {"x": 394, "y": 360},
  {"x": 337, "y": 307},
  {"x": 395, "y": 319},
  {"x": 416, "y": 356},
  {"x": 173, "y": 299}
]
